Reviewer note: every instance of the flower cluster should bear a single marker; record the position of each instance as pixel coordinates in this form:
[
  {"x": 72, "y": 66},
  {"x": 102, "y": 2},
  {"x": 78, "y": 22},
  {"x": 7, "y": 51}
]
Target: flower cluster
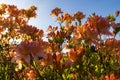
[
  {"x": 112, "y": 43},
  {"x": 31, "y": 31},
  {"x": 29, "y": 50},
  {"x": 56, "y": 12},
  {"x": 71, "y": 51},
  {"x": 79, "y": 16}
]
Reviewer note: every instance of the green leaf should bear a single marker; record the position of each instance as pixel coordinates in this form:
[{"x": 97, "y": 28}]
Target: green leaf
[{"x": 111, "y": 17}]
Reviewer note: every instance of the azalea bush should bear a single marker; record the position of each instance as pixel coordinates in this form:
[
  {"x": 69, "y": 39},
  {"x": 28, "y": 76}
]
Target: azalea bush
[{"x": 78, "y": 48}]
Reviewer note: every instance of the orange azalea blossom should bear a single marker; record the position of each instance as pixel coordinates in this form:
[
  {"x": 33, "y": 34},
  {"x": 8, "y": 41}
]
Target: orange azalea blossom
[
  {"x": 93, "y": 28},
  {"x": 19, "y": 66},
  {"x": 79, "y": 15},
  {"x": 112, "y": 43},
  {"x": 87, "y": 33},
  {"x": 3, "y": 8},
  {"x": 68, "y": 18},
  {"x": 75, "y": 54},
  {"x": 56, "y": 57},
  {"x": 100, "y": 24},
  {"x": 11, "y": 53},
  {"x": 72, "y": 55},
  {"x": 13, "y": 11},
  {"x": 20, "y": 21},
  {"x": 28, "y": 29},
  {"x": 31, "y": 30},
  {"x": 48, "y": 47},
  {"x": 13, "y": 32},
  {"x": 25, "y": 49},
  {"x": 52, "y": 29},
  {"x": 60, "y": 18},
  {"x": 51, "y": 34},
  {"x": 56, "y": 12},
  {"x": 30, "y": 12},
  {"x": 52, "y": 47},
  {"x": 48, "y": 60},
  {"x": 80, "y": 50},
  {"x": 69, "y": 28},
  {"x": 78, "y": 33},
  {"x": 110, "y": 77},
  {"x": 31, "y": 75},
  {"x": 1, "y": 30}
]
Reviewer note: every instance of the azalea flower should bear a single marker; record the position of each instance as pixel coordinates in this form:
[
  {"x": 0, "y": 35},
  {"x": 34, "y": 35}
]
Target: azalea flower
[
  {"x": 31, "y": 30},
  {"x": 90, "y": 35},
  {"x": 79, "y": 15},
  {"x": 68, "y": 18},
  {"x": 60, "y": 19},
  {"x": 112, "y": 43},
  {"x": 100, "y": 23},
  {"x": 30, "y": 12},
  {"x": 94, "y": 27},
  {"x": 13, "y": 11},
  {"x": 52, "y": 29},
  {"x": 19, "y": 66},
  {"x": 27, "y": 50},
  {"x": 3, "y": 8},
  {"x": 56, "y": 12},
  {"x": 76, "y": 53},
  {"x": 31, "y": 75},
  {"x": 48, "y": 60},
  {"x": 110, "y": 77},
  {"x": 57, "y": 58},
  {"x": 72, "y": 56},
  {"x": 80, "y": 50}
]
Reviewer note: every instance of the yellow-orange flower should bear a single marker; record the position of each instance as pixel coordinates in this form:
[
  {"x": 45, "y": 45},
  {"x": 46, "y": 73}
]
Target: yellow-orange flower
[
  {"x": 56, "y": 12},
  {"x": 60, "y": 19},
  {"x": 80, "y": 50},
  {"x": 3, "y": 8},
  {"x": 28, "y": 29},
  {"x": 68, "y": 18},
  {"x": 31, "y": 30},
  {"x": 110, "y": 77},
  {"x": 93, "y": 28},
  {"x": 79, "y": 15},
  {"x": 72, "y": 55},
  {"x": 13, "y": 11},
  {"x": 30, "y": 12},
  {"x": 48, "y": 60},
  {"x": 85, "y": 32},
  {"x": 100, "y": 24},
  {"x": 31, "y": 75},
  {"x": 112, "y": 43}
]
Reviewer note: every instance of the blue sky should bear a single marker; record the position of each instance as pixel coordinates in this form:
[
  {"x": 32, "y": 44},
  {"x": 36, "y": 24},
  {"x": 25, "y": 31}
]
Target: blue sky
[{"x": 43, "y": 20}]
